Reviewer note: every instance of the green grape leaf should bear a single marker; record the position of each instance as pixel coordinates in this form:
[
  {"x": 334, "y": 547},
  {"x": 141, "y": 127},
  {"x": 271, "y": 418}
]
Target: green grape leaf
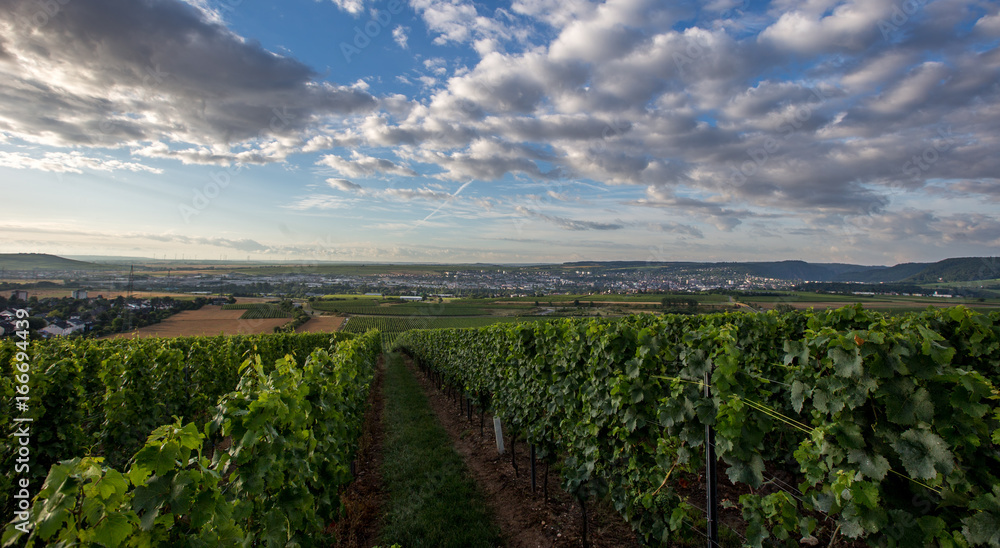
[
  {"x": 799, "y": 393},
  {"x": 924, "y": 453},
  {"x": 111, "y": 484},
  {"x": 113, "y": 529},
  {"x": 845, "y": 363},
  {"x": 750, "y": 473},
  {"x": 875, "y": 467}
]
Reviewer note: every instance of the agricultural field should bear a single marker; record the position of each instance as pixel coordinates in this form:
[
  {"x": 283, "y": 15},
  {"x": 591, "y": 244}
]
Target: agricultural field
[
  {"x": 108, "y": 294},
  {"x": 258, "y": 311},
  {"x": 859, "y": 410},
  {"x": 383, "y": 308},
  {"x": 397, "y": 324},
  {"x": 819, "y": 301},
  {"x": 321, "y": 324},
  {"x": 207, "y": 321}
]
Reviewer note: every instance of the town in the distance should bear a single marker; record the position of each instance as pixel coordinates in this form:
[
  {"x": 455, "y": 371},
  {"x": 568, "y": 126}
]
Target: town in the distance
[{"x": 125, "y": 296}]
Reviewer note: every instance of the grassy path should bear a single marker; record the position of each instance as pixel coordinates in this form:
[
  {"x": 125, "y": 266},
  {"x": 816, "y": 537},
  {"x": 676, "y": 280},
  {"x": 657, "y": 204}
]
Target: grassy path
[{"x": 432, "y": 500}]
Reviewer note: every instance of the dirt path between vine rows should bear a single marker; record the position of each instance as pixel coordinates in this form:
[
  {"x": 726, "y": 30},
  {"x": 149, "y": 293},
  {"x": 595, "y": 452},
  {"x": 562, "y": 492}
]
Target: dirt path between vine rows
[
  {"x": 364, "y": 499},
  {"x": 527, "y": 521}
]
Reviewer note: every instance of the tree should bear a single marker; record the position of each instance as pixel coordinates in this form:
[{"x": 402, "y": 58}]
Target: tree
[{"x": 35, "y": 324}]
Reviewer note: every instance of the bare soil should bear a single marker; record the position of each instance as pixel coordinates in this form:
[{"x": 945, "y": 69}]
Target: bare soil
[
  {"x": 527, "y": 520},
  {"x": 321, "y": 324},
  {"x": 364, "y": 499},
  {"x": 207, "y": 321},
  {"x": 107, "y": 294}
]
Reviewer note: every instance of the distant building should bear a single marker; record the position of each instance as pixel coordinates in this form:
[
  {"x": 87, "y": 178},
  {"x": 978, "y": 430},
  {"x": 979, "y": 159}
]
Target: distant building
[
  {"x": 80, "y": 294},
  {"x": 19, "y": 295},
  {"x": 411, "y": 298},
  {"x": 57, "y": 329}
]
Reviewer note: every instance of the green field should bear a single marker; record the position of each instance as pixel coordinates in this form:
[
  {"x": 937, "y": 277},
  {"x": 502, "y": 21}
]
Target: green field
[
  {"x": 374, "y": 308},
  {"x": 258, "y": 311},
  {"x": 397, "y": 324}
]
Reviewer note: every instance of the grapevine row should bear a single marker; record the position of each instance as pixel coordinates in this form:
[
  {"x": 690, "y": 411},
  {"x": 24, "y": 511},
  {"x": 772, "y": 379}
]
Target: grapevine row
[
  {"x": 104, "y": 397},
  {"x": 890, "y": 425},
  {"x": 264, "y": 471}
]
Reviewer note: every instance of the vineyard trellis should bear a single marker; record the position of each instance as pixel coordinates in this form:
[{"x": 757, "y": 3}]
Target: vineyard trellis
[
  {"x": 263, "y": 467},
  {"x": 104, "y": 397},
  {"x": 870, "y": 411}
]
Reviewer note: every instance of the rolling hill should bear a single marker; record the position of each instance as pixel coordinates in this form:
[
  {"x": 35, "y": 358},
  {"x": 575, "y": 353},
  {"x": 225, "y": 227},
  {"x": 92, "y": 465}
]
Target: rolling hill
[{"x": 43, "y": 261}]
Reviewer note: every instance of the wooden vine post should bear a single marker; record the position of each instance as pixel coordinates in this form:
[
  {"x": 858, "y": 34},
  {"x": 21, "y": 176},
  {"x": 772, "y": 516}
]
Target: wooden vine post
[{"x": 711, "y": 477}]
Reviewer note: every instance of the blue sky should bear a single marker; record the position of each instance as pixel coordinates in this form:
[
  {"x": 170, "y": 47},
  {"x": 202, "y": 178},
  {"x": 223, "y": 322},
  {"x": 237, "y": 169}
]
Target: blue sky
[{"x": 513, "y": 131}]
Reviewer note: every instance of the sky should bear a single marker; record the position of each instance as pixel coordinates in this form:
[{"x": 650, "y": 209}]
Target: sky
[{"x": 518, "y": 131}]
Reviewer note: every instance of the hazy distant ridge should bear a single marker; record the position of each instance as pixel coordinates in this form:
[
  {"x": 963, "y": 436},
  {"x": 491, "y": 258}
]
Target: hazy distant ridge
[{"x": 949, "y": 270}]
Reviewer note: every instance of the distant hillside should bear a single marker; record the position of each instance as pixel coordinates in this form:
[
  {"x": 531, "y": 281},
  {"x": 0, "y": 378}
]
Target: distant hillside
[
  {"x": 43, "y": 261},
  {"x": 948, "y": 270},
  {"x": 964, "y": 269},
  {"x": 801, "y": 270},
  {"x": 883, "y": 274}
]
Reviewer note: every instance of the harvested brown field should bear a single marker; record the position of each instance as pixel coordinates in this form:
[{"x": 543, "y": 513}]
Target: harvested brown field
[
  {"x": 321, "y": 324},
  {"x": 209, "y": 320},
  {"x": 92, "y": 293}
]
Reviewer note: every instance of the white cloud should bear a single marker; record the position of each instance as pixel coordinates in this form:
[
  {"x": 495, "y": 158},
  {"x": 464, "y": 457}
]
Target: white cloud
[
  {"x": 400, "y": 37},
  {"x": 69, "y": 162},
  {"x": 989, "y": 25},
  {"x": 460, "y": 21},
  {"x": 851, "y": 26},
  {"x": 354, "y": 7},
  {"x": 344, "y": 185},
  {"x": 320, "y": 202},
  {"x": 566, "y": 222},
  {"x": 94, "y": 77},
  {"x": 361, "y": 165}
]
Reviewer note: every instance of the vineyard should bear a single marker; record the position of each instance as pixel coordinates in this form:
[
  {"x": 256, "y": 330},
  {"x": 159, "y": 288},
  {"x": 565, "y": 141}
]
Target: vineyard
[
  {"x": 844, "y": 423},
  {"x": 373, "y": 308},
  {"x": 360, "y": 306},
  {"x": 825, "y": 426},
  {"x": 392, "y": 326},
  {"x": 258, "y": 311},
  {"x": 144, "y": 425},
  {"x": 399, "y": 324}
]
